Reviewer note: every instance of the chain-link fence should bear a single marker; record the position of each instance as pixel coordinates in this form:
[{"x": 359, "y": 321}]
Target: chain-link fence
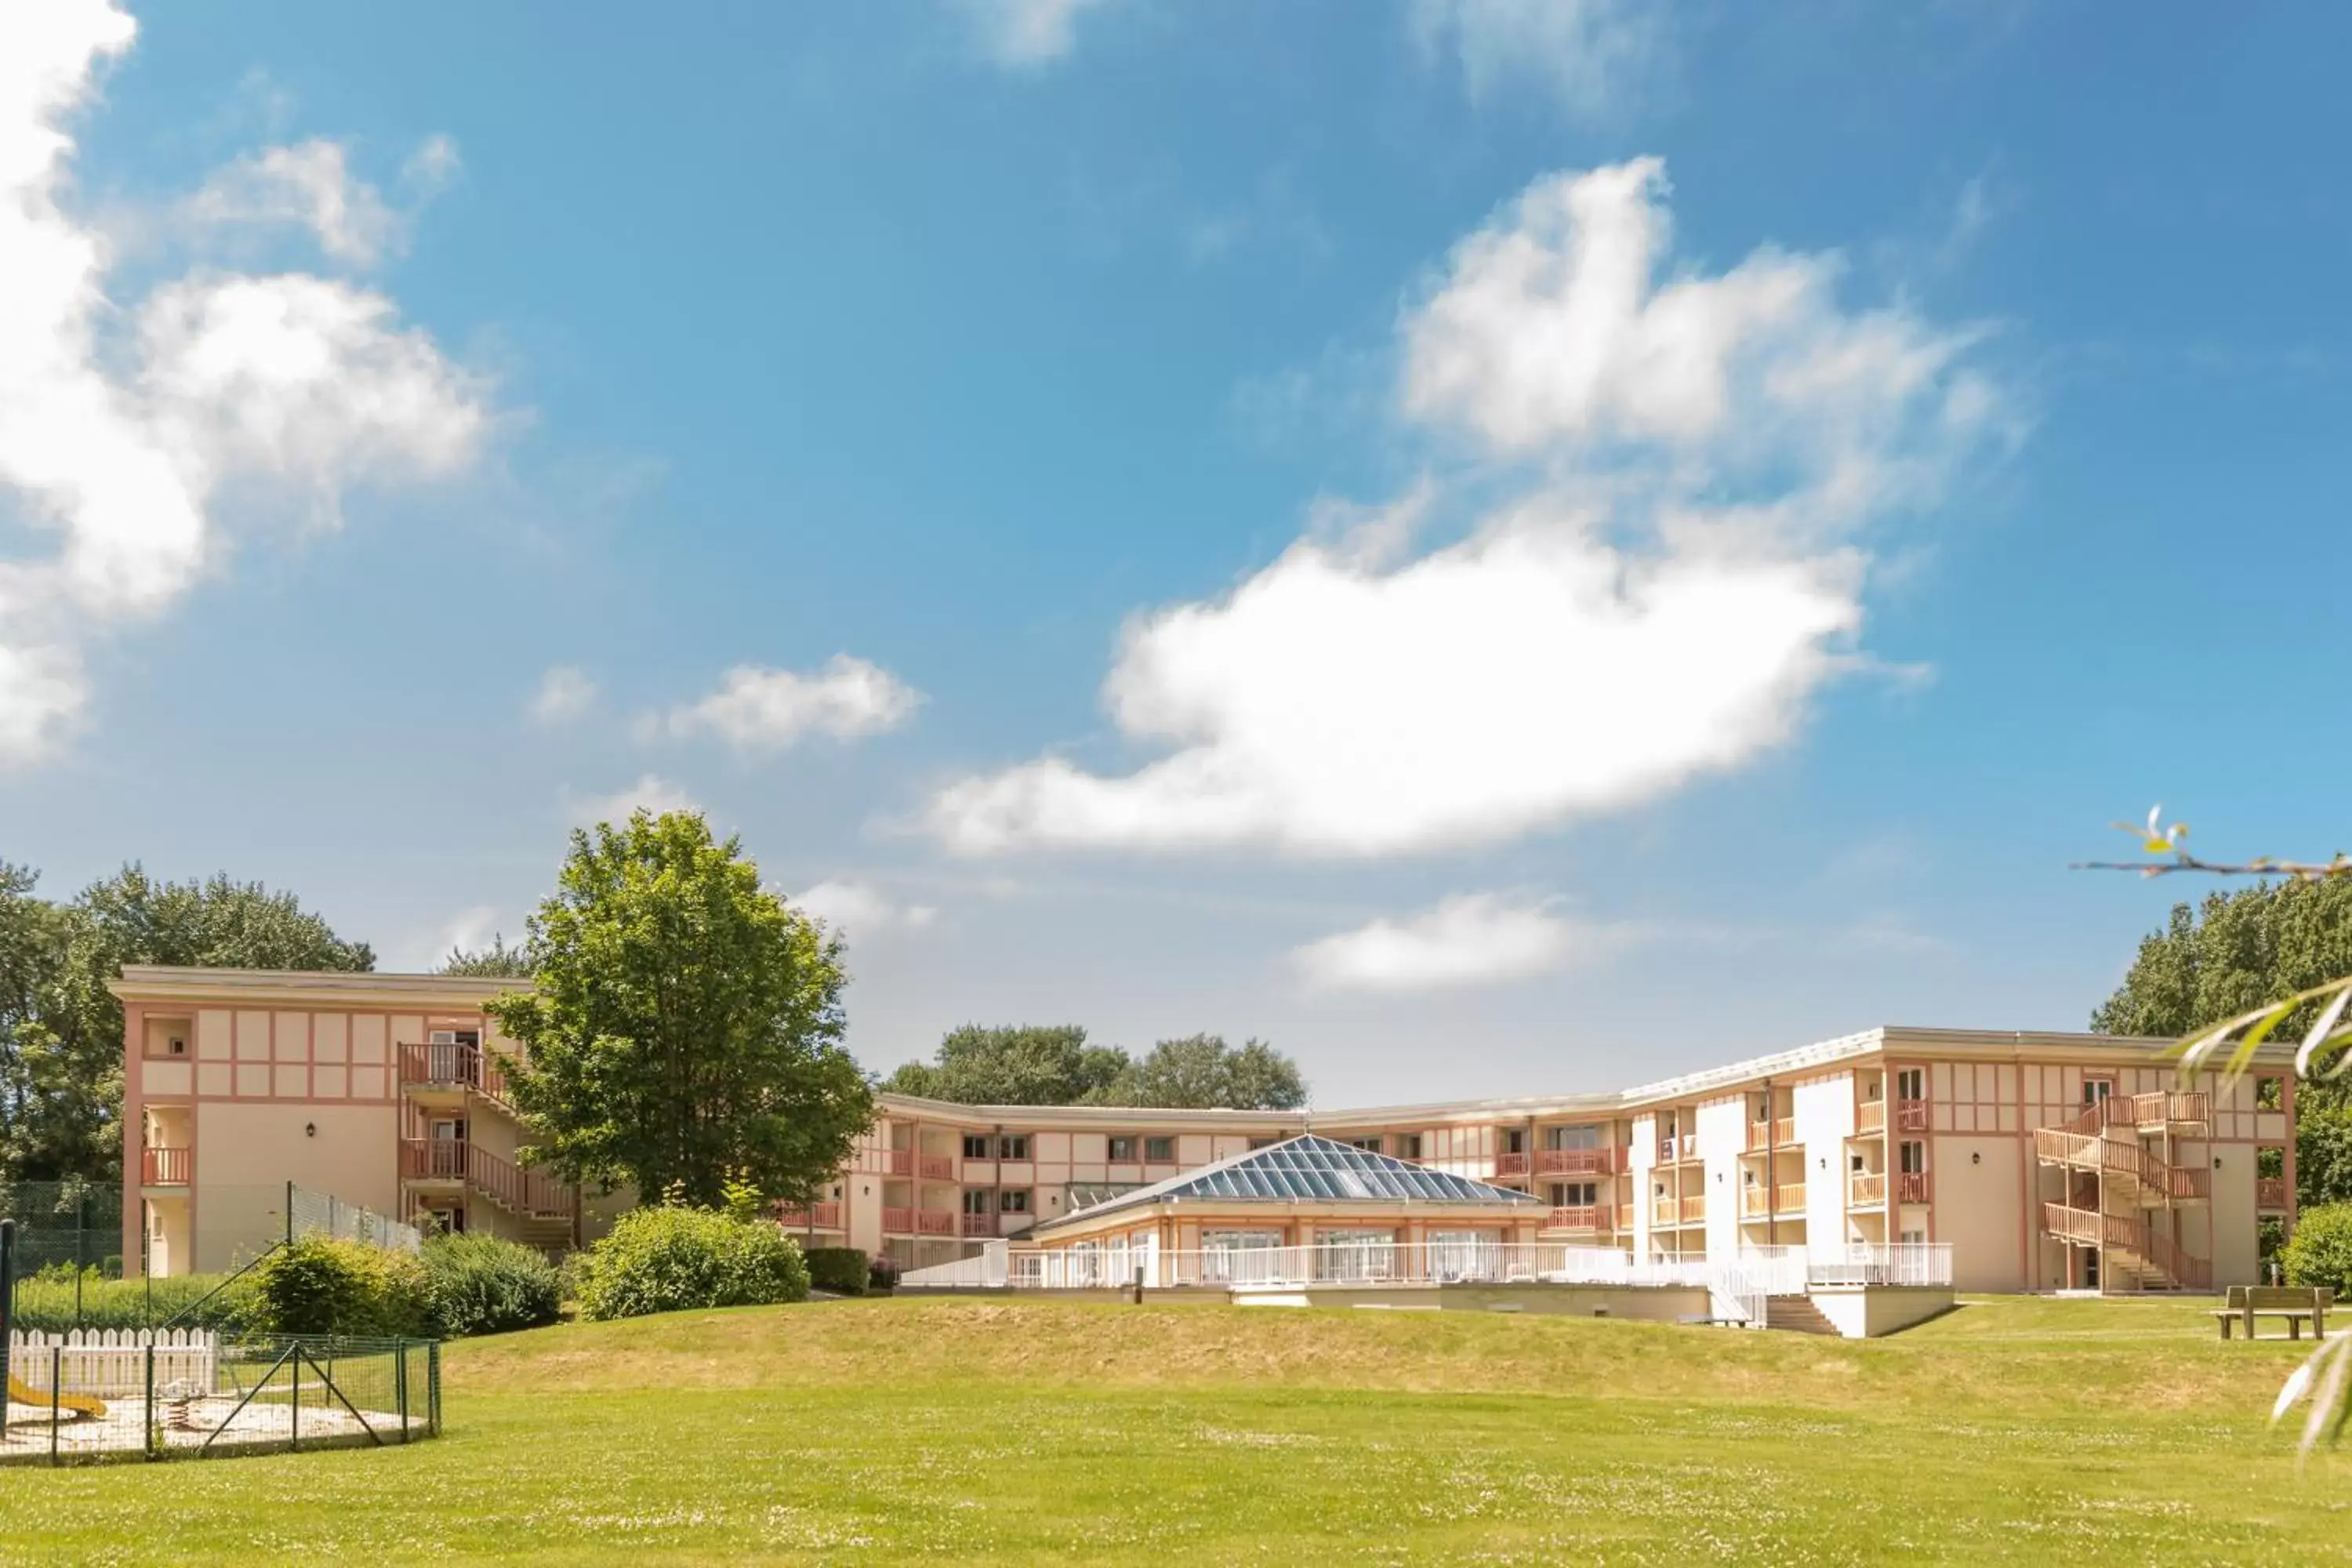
[
  {"x": 73, "y": 1225},
  {"x": 78, "y": 1397},
  {"x": 323, "y": 1214}
]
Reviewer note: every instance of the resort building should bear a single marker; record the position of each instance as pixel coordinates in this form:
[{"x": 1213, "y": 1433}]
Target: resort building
[{"x": 2044, "y": 1161}]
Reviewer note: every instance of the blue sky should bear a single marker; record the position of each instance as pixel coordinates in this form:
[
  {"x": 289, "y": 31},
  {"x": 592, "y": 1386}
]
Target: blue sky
[{"x": 1504, "y": 546}]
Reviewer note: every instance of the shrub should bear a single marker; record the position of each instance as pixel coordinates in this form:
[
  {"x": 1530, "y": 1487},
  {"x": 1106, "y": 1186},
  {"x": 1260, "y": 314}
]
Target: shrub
[
  {"x": 843, "y": 1270},
  {"x": 46, "y": 1303},
  {"x": 485, "y": 1285},
  {"x": 2320, "y": 1251},
  {"x": 674, "y": 1259},
  {"x": 321, "y": 1286}
]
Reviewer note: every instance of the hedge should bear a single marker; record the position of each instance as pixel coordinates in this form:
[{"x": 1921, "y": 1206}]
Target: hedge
[
  {"x": 318, "y": 1285},
  {"x": 2320, "y": 1250},
  {"x": 487, "y": 1285},
  {"x": 674, "y": 1259},
  {"x": 844, "y": 1270}
]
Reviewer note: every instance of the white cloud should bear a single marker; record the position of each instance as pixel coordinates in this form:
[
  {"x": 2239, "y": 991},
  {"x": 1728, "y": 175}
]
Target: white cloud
[
  {"x": 127, "y": 427},
  {"x": 306, "y": 186},
  {"x": 1679, "y": 571},
  {"x": 1589, "y": 55},
  {"x": 861, "y": 909},
  {"x": 1471, "y": 939},
  {"x": 566, "y": 692},
  {"x": 650, "y": 792},
  {"x": 1028, "y": 34},
  {"x": 758, "y": 708}
]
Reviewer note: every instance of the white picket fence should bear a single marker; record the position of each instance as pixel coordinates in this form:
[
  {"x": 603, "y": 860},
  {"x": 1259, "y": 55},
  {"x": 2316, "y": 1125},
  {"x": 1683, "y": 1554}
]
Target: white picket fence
[{"x": 112, "y": 1362}]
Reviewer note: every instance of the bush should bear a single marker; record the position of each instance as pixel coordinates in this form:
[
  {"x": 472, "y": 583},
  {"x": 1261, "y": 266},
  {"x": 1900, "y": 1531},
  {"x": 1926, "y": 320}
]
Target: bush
[
  {"x": 2320, "y": 1251},
  {"x": 840, "y": 1269},
  {"x": 45, "y": 1302},
  {"x": 321, "y": 1286},
  {"x": 485, "y": 1285},
  {"x": 674, "y": 1259}
]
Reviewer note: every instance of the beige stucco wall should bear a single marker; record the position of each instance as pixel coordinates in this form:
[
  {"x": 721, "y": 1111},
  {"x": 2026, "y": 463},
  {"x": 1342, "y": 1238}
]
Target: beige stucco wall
[
  {"x": 247, "y": 1153},
  {"x": 1980, "y": 1209},
  {"x": 1866, "y": 1311}
]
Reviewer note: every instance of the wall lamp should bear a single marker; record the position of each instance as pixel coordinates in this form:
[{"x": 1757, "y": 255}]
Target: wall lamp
[{"x": 309, "y": 1129}]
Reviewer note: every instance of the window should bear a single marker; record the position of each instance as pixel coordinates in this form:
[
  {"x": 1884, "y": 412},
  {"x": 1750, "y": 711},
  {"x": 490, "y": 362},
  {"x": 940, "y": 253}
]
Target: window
[
  {"x": 2096, "y": 1090},
  {"x": 1574, "y": 1194},
  {"x": 1013, "y": 1146},
  {"x": 1853, "y": 1163},
  {"x": 975, "y": 1145},
  {"x": 1515, "y": 1142},
  {"x": 1014, "y": 1200},
  {"x": 1914, "y": 1158},
  {"x": 2270, "y": 1094},
  {"x": 1368, "y": 1145},
  {"x": 1122, "y": 1148},
  {"x": 1587, "y": 1137},
  {"x": 1919, "y": 1238},
  {"x": 1159, "y": 1150},
  {"x": 975, "y": 1201},
  {"x": 1911, "y": 1083},
  {"x": 1408, "y": 1146},
  {"x": 179, "y": 1046}
]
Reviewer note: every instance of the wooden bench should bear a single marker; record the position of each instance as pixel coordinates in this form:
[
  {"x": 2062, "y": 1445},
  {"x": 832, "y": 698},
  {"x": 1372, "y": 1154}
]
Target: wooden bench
[{"x": 2295, "y": 1303}]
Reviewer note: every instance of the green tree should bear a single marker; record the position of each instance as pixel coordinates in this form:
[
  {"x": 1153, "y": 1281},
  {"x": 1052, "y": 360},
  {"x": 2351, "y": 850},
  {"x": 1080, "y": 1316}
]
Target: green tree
[
  {"x": 496, "y": 961},
  {"x": 61, "y": 1029},
  {"x": 1026, "y": 1064},
  {"x": 686, "y": 1023},
  {"x": 2237, "y": 951},
  {"x": 1203, "y": 1073}
]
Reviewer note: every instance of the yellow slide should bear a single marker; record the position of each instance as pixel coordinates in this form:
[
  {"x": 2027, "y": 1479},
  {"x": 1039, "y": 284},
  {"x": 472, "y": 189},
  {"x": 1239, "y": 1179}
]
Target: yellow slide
[{"x": 81, "y": 1403}]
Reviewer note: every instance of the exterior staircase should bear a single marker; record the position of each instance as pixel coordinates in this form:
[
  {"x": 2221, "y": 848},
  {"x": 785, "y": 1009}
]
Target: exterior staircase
[
  {"x": 2136, "y": 1189},
  {"x": 1798, "y": 1315}
]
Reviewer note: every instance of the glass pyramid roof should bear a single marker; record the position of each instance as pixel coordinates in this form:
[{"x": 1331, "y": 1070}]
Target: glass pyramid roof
[{"x": 1318, "y": 1169}]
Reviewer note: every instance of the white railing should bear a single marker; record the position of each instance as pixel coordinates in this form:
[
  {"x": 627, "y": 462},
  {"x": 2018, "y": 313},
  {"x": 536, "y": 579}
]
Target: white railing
[
  {"x": 1370, "y": 1261},
  {"x": 1739, "y": 1287},
  {"x": 1904, "y": 1263},
  {"x": 112, "y": 1362}
]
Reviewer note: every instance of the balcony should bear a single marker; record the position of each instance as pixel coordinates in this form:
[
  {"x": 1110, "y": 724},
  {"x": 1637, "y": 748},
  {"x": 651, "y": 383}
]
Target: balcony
[
  {"x": 1579, "y": 1217},
  {"x": 936, "y": 1167},
  {"x": 1911, "y": 1115},
  {"x": 1780, "y": 1133},
  {"x": 809, "y": 1217},
  {"x": 1626, "y": 1217},
  {"x": 1870, "y": 1117},
  {"x": 1576, "y": 1163},
  {"x": 1511, "y": 1164},
  {"x": 456, "y": 1068},
  {"x": 165, "y": 1167},
  {"x": 900, "y": 1221},
  {"x": 1694, "y": 1209},
  {"x": 1912, "y": 1187},
  {"x": 1662, "y": 1211},
  {"x": 520, "y": 1191},
  {"x": 2270, "y": 1194},
  {"x": 979, "y": 1225},
  {"x": 1866, "y": 1190}
]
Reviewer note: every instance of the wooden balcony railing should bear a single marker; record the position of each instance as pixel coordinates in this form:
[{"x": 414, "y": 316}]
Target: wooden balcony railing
[
  {"x": 935, "y": 1167},
  {"x": 1789, "y": 1197},
  {"x": 165, "y": 1167},
  {"x": 1662, "y": 1211},
  {"x": 1780, "y": 1133},
  {"x": 440, "y": 1065},
  {"x": 1694, "y": 1209},
  {"x": 1866, "y": 1189},
  {"x": 1912, "y": 1187},
  {"x": 2270, "y": 1193},
  {"x": 1911, "y": 1115},
  {"x": 1626, "y": 1217},
  {"x": 1511, "y": 1164},
  {"x": 1870, "y": 1116},
  {"x": 1580, "y": 1217},
  {"x": 980, "y": 1225},
  {"x": 898, "y": 1221},
  {"x": 1755, "y": 1201},
  {"x": 897, "y": 1161},
  {"x": 1576, "y": 1161},
  {"x": 2155, "y": 1108},
  {"x": 809, "y": 1217},
  {"x": 910, "y": 1221},
  {"x": 529, "y": 1194},
  {"x": 2120, "y": 1157}
]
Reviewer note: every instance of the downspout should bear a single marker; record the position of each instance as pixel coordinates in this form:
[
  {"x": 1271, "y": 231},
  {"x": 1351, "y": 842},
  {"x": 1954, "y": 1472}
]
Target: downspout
[
  {"x": 996, "y": 1194},
  {"x": 1771, "y": 1176}
]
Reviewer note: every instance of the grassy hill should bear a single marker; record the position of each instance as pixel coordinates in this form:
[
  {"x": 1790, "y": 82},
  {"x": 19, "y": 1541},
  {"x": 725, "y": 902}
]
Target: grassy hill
[{"x": 1031, "y": 1431}]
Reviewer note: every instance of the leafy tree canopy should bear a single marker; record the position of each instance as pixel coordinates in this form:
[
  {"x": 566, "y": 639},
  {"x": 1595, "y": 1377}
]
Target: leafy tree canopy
[
  {"x": 61, "y": 1029},
  {"x": 498, "y": 960},
  {"x": 685, "y": 1024},
  {"x": 1053, "y": 1065},
  {"x": 2232, "y": 953}
]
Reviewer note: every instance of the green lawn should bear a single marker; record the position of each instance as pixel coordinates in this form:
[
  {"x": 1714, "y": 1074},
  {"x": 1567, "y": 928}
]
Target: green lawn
[{"x": 1026, "y": 1432}]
